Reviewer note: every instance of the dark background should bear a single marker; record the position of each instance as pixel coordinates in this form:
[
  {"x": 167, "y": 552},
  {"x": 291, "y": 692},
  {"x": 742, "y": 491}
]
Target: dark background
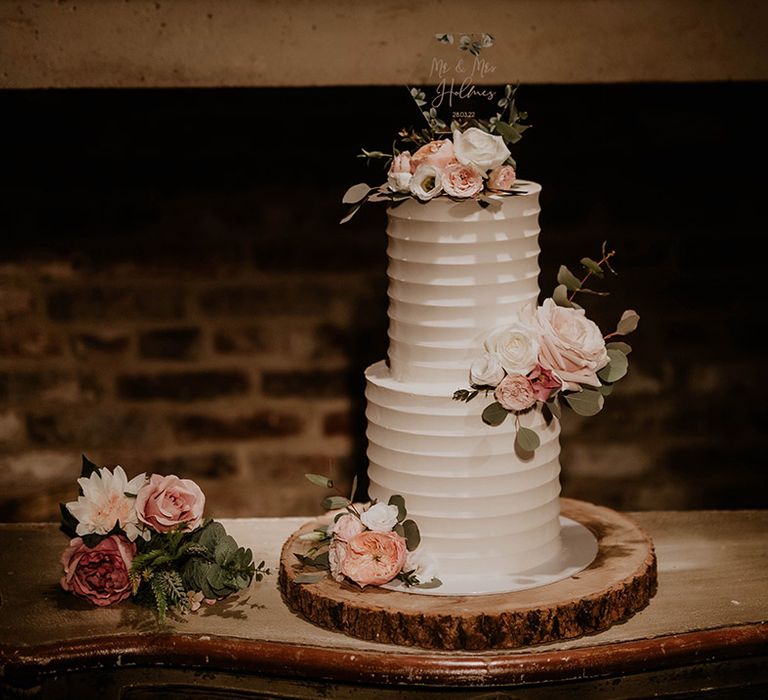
[{"x": 176, "y": 292}]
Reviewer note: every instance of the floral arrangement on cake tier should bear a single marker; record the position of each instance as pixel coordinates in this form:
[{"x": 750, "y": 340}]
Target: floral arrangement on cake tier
[
  {"x": 468, "y": 160},
  {"x": 146, "y": 538},
  {"x": 369, "y": 545},
  {"x": 549, "y": 354}
]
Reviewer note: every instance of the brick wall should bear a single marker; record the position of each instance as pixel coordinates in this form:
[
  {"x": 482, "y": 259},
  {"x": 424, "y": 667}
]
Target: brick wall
[{"x": 176, "y": 295}]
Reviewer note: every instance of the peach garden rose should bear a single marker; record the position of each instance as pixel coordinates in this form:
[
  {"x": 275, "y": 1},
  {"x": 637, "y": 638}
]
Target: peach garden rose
[
  {"x": 462, "y": 180},
  {"x": 501, "y": 178},
  {"x": 515, "y": 393},
  {"x": 373, "y": 558},
  {"x": 166, "y": 503},
  {"x": 436, "y": 153}
]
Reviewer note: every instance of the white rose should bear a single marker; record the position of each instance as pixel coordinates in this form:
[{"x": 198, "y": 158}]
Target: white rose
[
  {"x": 427, "y": 182},
  {"x": 380, "y": 517},
  {"x": 479, "y": 148},
  {"x": 422, "y": 564},
  {"x": 572, "y": 346},
  {"x": 346, "y": 527},
  {"x": 516, "y": 346},
  {"x": 486, "y": 371}
]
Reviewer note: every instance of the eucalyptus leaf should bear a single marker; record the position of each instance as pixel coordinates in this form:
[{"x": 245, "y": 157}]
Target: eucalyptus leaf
[
  {"x": 616, "y": 368},
  {"x": 592, "y": 266},
  {"x": 526, "y": 439},
  {"x": 554, "y": 406},
  {"x": 353, "y": 490},
  {"x": 412, "y": 535},
  {"x": 397, "y": 500},
  {"x": 494, "y": 414},
  {"x": 433, "y": 583},
  {"x": 560, "y": 296},
  {"x": 586, "y": 402},
  {"x": 606, "y": 389},
  {"x": 350, "y": 214},
  {"x": 566, "y": 277},
  {"x": 334, "y": 502},
  {"x": 319, "y": 480},
  {"x": 357, "y": 193},
  {"x": 628, "y": 322},
  {"x": 619, "y": 345}
]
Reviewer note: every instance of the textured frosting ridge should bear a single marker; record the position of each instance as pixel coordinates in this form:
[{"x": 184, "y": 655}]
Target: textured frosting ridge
[{"x": 457, "y": 271}]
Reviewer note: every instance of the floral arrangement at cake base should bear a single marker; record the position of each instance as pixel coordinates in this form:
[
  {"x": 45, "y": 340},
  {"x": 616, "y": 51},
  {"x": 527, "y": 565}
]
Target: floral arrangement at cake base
[
  {"x": 146, "y": 539},
  {"x": 551, "y": 354},
  {"x": 368, "y": 545}
]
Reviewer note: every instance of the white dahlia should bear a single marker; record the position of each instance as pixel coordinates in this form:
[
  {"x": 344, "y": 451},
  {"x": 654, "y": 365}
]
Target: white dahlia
[{"x": 108, "y": 499}]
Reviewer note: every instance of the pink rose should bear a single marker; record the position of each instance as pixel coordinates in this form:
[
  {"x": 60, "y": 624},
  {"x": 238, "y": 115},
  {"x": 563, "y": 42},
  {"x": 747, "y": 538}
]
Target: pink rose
[
  {"x": 167, "y": 502},
  {"x": 570, "y": 345},
  {"x": 400, "y": 173},
  {"x": 502, "y": 178},
  {"x": 462, "y": 180},
  {"x": 347, "y": 526},
  {"x": 436, "y": 153},
  {"x": 373, "y": 558},
  {"x": 337, "y": 554},
  {"x": 99, "y": 574},
  {"x": 515, "y": 392},
  {"x": 544, "y": 383}
]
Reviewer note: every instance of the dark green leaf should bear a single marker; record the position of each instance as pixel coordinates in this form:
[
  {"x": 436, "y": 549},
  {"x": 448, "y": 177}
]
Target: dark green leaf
[
  {"x": 494, "y": 414},
  {"x": 397, "y": 500},
  {"x": 434, "y": 583},
  {"x": 353, "y": 490},
  {"x": 526, "y": 439},
  {"x": 68, "y": 521},
  {"x": 412, "y": 535},
  {"x": 586, "y": 402},
  {"x": 88, "y": 468}
]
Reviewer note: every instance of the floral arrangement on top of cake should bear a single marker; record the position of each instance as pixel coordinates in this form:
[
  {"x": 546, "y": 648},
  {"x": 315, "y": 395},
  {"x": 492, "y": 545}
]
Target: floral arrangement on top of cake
[
  {"x": 462, "y": 157},
  {"x": 369, "y": 545},
  {"x": 549, "y": 353},
  {"x": 146, "y": 538}
]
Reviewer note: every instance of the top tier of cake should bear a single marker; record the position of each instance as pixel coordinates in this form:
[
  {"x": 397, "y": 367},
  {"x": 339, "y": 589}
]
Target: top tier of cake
[{"x": 457, "y": 271}]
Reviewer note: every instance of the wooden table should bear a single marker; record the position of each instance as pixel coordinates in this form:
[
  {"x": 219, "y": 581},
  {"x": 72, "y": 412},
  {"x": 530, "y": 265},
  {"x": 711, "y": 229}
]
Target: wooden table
[{"x": 706, "y": 628}]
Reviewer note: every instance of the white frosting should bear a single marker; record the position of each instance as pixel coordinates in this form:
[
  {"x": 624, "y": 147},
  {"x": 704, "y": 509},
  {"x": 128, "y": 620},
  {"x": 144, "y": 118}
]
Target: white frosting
[{"x": 456, "y": 272}]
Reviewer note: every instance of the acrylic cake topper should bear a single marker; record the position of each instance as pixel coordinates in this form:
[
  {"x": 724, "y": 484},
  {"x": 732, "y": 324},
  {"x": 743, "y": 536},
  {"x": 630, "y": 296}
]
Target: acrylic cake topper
[
  {"x": 454, "y": 87},
  {"x": 460, "y": 149}
]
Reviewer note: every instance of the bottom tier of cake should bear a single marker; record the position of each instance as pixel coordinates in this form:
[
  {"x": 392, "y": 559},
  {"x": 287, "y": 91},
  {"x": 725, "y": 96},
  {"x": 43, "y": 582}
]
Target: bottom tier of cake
[{"x": 481, "y": 507}]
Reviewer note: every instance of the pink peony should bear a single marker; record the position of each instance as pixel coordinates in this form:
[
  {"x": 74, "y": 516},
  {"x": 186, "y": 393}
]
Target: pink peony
[
  {"x": 544, "y": 383},
  {"x": 462, "y": 180},
  {"x": 373, "y": 558},
  {"x": 515, "y": 392},
  {"x": 167, "y": 502},
  {"x": 99, "y": 574},
  {"x": 570, "y": 345},
  {"x": 436, "y": 153},
  {"x": 501, "y": 178}
]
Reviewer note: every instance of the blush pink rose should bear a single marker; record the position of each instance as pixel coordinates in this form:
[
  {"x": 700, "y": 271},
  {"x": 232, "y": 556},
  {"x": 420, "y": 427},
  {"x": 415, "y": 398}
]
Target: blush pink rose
[
  {"x": 544, "y": 383},
  {"x": 347, "y": 526},
  {"x": 515, "y": 392},
  {"x": 400, "y": 173},
  {"x": 436, "y": 153},
  {"x": 98, "y": 574},
  {"x": 502, "y": 178},
  {"x": 166, "y": 503},
  {"x": 570, "y": 345},
  {"x": 462, "y": 180},
  {"x": 337, "y": 554},
  {"x": 373, "y": 558}
]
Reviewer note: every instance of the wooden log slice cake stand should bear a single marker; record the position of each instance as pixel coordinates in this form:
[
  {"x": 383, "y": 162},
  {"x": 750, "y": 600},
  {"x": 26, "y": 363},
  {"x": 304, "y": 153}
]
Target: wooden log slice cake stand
[{"x": 619, "y": 582}]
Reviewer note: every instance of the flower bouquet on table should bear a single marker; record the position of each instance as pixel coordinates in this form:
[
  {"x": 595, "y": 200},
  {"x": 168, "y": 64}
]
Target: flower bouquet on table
[
  {"x": 146, "y": 538},
  {"x": 464, "y": 161},
  {"x": 369, "y": 545},
  {"x": 551, "y": 354}
]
